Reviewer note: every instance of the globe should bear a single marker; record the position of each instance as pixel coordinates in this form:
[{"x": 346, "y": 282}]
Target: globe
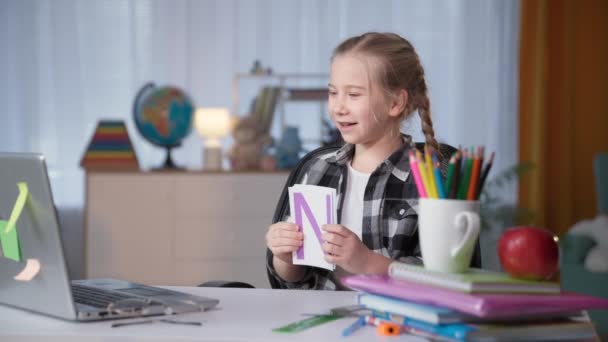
[{"x": 163, "y": 116}]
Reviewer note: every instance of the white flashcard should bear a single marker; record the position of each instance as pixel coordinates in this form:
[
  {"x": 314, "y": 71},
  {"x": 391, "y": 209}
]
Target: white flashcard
[{"x": 311, "y": 207}]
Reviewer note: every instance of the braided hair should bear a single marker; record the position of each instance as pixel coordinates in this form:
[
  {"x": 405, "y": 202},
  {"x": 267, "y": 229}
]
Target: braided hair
[{"x": 397, "y": 67}]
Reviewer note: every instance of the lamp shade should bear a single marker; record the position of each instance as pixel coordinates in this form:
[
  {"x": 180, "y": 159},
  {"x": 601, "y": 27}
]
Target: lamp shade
[{"x": 212, "y": 123}]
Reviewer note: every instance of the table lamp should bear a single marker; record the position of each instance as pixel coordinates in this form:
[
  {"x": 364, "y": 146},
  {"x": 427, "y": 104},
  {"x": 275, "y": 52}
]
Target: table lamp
[{"x": 212, "y": 124}]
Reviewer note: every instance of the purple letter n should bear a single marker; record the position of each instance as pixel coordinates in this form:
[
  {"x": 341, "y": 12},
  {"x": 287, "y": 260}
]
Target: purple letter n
[{"x": 300, "y": 205}]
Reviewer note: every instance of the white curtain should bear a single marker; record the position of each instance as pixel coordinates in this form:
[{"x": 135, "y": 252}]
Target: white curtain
[{"x": 65, "y": 64}]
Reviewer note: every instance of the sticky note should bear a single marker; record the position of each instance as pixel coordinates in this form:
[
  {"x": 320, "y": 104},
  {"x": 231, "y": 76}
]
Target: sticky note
[
  {"x": 10, "y": 242},
  {"x": 9, "y": 237},
  {"x": 19, "y": 203},
  {"x": 31, "y": 269}
]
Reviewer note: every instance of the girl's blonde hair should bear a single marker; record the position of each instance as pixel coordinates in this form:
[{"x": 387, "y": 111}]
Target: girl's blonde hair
[{"x": 395, "y": 66}]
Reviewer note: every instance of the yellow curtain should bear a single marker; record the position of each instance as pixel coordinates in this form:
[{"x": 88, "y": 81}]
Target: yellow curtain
[{"x": 563, "y": 109}]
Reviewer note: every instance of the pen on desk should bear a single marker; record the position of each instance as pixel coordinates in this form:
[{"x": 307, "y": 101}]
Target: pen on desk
[
  {"x": 173, "y": 321},
  {"x": 353, "y": 327},
  {"x": 124, "y": 324}
]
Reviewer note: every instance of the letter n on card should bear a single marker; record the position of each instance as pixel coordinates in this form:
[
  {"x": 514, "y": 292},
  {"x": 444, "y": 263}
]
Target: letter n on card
[{"x": 311, "y": 207}]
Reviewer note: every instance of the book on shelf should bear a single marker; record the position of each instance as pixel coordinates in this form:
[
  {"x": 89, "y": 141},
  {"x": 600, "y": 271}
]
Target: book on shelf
[
  {"x": 574, "y": 328},
  {"x": 487, "y": 305},
  {"x": 475, "y": 280},
  {"x": 265, "y": 105}
]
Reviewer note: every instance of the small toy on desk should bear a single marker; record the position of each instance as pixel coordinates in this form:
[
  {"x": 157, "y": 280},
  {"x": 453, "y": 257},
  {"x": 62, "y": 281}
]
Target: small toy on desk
[
  {"x": 584, "y": 261},
  {"x": 597, "y": 230}
]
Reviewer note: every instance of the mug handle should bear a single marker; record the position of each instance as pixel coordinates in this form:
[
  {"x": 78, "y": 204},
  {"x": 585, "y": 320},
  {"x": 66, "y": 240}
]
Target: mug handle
[{"x": 466, "y": 220}]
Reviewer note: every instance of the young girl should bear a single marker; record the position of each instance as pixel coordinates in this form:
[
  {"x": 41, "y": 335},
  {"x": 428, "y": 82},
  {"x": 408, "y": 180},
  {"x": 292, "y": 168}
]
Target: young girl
[{"x": 376, "y": 82}]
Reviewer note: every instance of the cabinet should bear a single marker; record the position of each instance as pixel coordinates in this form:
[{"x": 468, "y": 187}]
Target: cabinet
[
  {"x": 302, "y": 101},
  {"x": 179, "y": 228}
]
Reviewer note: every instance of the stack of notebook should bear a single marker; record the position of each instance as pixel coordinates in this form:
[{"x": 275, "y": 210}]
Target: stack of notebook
[{"x": 478, "y": 305}]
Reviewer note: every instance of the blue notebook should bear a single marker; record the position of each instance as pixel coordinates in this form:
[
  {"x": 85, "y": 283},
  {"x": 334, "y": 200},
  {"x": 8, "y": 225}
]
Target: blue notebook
[
  {"x": 422, "y": 312},
  {"x": 561, "y": 329}
]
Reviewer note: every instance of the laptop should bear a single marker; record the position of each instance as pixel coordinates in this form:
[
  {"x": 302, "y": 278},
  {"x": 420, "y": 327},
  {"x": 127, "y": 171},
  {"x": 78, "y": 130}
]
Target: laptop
[{"x": 49, "y": 291}]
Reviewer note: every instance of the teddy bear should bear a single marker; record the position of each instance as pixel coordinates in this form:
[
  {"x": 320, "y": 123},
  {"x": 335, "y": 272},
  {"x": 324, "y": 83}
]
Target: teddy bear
[{"x": 249, "y": 144}]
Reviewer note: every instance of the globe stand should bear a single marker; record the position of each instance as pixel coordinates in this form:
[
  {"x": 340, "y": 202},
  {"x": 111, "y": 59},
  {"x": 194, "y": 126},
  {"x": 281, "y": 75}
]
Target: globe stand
[{"x": 169, "y": 164}]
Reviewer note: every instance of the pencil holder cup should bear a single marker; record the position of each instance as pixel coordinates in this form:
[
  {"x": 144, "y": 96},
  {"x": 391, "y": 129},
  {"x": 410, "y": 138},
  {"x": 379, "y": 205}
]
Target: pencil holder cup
[{"x": 448, "y": 230}]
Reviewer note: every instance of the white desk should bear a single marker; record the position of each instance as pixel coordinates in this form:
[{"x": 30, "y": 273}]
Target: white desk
[{"x": 242, "y": 315}]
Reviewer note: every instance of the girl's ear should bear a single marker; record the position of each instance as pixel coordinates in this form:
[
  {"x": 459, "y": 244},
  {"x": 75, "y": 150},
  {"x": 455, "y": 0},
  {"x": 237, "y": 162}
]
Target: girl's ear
[{"x": 398, "y": 103}]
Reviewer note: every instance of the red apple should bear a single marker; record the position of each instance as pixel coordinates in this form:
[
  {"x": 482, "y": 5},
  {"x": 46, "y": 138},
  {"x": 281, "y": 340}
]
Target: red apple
[{"x": 528, "y": 252}]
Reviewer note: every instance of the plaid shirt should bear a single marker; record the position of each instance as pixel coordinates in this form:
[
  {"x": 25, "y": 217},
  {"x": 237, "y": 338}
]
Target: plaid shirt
[{"x": 390, "y": 219}]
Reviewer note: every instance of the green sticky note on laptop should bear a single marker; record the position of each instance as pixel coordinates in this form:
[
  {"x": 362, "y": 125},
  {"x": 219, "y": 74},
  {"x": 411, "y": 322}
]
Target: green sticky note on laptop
[{"x": 10, "y": 242}]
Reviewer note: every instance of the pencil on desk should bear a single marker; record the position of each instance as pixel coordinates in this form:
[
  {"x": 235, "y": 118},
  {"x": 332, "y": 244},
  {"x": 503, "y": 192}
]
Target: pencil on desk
[
  {"x": 360, "y": 322},
  {"x": 472, "y": 191},
  {"x": 484, "y": 174},
  {"x": 417, "y": 177}
]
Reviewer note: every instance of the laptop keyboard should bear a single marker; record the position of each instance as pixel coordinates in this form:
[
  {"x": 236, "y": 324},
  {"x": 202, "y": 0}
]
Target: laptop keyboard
[{"x": 96, "y": 297}]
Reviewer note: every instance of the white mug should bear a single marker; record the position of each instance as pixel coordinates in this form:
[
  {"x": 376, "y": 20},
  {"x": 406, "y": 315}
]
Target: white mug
[{"x": 448, "y": 230}]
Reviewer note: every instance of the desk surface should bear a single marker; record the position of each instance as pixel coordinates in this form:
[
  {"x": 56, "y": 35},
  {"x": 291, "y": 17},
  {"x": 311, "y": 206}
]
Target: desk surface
[{"x": 242, "y": 315}]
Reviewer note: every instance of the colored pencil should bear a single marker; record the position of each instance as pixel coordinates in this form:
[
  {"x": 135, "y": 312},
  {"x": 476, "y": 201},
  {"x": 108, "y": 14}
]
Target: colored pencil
[
  {"x": 484, "y": 174},
  {"x": 429, "y": 174},
  {"x": 453, "y": 192},
  {"x": 463, "y": 165},
  {"x": 417, "y": 177},
  {"x": 450, "y": 177},
  {"x": 423, "y": 174},
  {"x": 437, "y": 174},
  {"x": 472, "y": 191},
  {"x": 466, "y": 176}
]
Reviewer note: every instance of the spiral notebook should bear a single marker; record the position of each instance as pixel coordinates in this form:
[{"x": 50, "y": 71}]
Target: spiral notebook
[
  {"x": 481, "y": 305},
  {"x": 475, "y": 280}
]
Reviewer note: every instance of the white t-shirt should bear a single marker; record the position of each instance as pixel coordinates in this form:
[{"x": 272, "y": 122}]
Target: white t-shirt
[{"x": 352, "y": 207}]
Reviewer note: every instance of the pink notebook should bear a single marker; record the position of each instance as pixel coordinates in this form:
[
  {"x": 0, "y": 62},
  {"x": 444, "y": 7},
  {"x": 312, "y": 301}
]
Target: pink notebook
[{"x": 481, "y": 305}]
